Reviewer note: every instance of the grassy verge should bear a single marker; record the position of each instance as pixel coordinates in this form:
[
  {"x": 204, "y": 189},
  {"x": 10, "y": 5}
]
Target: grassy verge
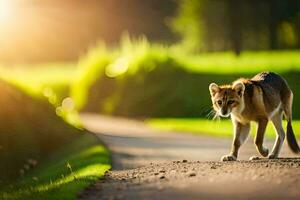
[
  {"x": 222, "y": 128},
  {"x": 39, "y": 79},
  {"x": 249, "y": 62},
  {"x": 66, "y": 173},
  {"x": 32, "y": 133},
  {"x": 47, "y": 80}
]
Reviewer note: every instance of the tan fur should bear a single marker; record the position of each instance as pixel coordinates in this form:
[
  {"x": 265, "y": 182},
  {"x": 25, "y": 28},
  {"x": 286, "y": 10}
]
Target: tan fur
[{"x": 260, "y": 99}]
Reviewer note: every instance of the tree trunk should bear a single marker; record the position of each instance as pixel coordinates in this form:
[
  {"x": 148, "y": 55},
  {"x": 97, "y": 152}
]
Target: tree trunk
[
  {"x": 273, "y": 24},
  {"x": 235, "y": 25}
]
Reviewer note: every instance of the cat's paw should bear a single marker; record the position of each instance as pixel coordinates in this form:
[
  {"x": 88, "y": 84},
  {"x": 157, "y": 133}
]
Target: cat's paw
[
  {"x": 254, "y": 158},
  {"x": 228, "y": 158},
  {"x": 264, "y": 152},
  {"x": 272, "y": 156}
]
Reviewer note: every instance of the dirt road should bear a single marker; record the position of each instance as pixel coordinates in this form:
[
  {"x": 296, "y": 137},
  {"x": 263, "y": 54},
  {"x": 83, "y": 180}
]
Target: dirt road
[{"x": 152, "y": 165}]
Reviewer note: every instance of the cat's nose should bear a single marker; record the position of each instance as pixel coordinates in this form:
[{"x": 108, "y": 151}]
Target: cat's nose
[{"x": 224, "y": 111}]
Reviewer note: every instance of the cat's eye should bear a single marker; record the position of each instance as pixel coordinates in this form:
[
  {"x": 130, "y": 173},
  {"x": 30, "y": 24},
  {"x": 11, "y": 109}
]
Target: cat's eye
[
  {"x": 230, "y": 102},
  {"x": 219, "y": 102}
]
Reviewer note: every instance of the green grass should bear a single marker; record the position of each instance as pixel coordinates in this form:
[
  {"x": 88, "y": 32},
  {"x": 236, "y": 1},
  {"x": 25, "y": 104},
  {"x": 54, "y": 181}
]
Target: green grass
[
  {"x": 132, "y": 78},
  {"x": 47, "y": 80},
  {"x": 220, "y": 128},
  {"x": 66, "y": 173},
  {"x": 36, "y": 78},
  {"x": 70, "y": 168},
  {"x": 247, "y": 63}
]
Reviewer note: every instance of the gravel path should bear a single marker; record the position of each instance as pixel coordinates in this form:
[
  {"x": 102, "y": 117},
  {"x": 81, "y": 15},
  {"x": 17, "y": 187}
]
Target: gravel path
[{"x": 152, "y": 165}]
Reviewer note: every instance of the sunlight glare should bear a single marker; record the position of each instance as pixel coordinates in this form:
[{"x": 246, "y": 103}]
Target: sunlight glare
[
  {"x": 120, "y": 66},
  {"x": 5, "y": 11}
]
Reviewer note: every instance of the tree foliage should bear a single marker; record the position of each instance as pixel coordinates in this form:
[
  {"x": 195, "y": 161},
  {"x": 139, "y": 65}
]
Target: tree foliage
[{"x": 218, "y": 25}]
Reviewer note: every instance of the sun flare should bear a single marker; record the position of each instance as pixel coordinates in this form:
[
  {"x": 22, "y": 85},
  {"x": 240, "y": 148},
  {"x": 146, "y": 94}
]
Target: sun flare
[{"x": 6, "y": 8}]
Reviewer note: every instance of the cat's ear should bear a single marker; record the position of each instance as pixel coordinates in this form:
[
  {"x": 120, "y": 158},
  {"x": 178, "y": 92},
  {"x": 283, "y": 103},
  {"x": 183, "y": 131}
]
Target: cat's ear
[
  {"x": 239, "y": 88},
  {"x": 213, "y": 89}
]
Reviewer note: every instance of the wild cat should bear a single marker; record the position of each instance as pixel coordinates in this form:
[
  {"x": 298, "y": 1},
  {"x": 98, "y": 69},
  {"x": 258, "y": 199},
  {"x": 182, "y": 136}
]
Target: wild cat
[{"x": 264, "y": 97}]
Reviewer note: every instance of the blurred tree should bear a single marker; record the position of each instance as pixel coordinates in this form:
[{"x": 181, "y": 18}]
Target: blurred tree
[
  {"x": 273, "y": 25},
  {"x": 189, "y": 23},
  {"x": 235, "y": 25}
]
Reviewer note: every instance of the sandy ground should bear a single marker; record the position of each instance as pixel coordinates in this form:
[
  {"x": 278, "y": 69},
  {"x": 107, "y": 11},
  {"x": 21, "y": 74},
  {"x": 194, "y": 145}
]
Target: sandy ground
[{"x": 152, "y": 165}]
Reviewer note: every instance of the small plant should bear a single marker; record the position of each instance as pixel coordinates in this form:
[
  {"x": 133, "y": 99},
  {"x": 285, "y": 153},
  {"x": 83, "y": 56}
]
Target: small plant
[{"x": 71, "y": 170}]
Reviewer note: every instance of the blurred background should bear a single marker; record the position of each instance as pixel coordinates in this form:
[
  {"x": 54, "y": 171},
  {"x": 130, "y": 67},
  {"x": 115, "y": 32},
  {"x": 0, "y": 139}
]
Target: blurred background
[
  {"x": 122, "y": 57},
  {"x": 33, "y": 31},
  {"x": 149, "y": 60}
]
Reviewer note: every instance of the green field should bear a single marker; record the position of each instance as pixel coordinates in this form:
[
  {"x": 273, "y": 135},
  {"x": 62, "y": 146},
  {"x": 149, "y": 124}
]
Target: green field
[
  {"x": 247, "y": 63},
  {"x": 142, "y": 79},
  {"x": 38, "y": 76},
  {"x": 65, "y": 174},
  {"x": 140, "y": 58},
  {"x": 219, "y": 128}
]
